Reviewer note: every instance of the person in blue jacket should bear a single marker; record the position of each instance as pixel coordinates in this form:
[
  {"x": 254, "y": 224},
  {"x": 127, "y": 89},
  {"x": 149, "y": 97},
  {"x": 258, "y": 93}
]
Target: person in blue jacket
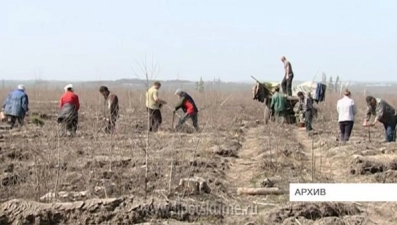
[{"x": 16, "y": 106}]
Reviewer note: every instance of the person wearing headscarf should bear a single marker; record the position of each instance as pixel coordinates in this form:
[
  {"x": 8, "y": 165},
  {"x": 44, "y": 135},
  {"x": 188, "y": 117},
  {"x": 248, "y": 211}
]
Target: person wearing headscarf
[
  {"x": 111, "y": 108},
  {"x": 69, "y": 106},
  {"x": 188, "y": 106},
  {"x": 16, "y": 106}
]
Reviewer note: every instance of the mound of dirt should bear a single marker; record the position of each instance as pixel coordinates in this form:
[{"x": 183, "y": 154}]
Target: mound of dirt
[
  {"x": 386, "y": 177},
  {"x": 126, "y": 210},
  {"x": 371, "y": 165},
  {"x": 310, "y": 211},
  {"x": 229, "y": 149},
  {"x": 101, "y": 161}
]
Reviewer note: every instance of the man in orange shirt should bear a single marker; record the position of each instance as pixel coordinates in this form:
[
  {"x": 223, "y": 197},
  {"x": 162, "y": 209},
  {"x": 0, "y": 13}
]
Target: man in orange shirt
[{"x": 69, "y": 106}]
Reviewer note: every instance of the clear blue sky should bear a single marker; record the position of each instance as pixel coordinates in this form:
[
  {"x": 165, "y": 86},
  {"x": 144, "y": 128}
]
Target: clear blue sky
[{"x": 93, "y": 40}]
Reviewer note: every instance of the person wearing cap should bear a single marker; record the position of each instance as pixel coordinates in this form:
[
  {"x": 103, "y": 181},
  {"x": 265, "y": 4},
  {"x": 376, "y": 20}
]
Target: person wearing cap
[
  {"x": 69, "y": 106},
  {"x": 188, "y": 106},
  {"x": 111, "y": 108},
  {"x": 347, "y": 110},
  {"x": 278, "y": 104},
  {"x": 384, "y": 113},
  {"x": 306, "y": 107},
  {"x": 153, "y": 105},
  {"x": 16, "y": 106}
]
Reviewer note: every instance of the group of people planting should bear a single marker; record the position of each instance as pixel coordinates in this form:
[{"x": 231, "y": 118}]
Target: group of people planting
[
  {"x": 16, "y": 108},
  {"x": 382, "y": 111},
  {"x": 154, "y": 105}
]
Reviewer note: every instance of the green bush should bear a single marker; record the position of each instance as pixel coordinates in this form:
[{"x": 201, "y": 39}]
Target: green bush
[{"x": 37, "y": 121}]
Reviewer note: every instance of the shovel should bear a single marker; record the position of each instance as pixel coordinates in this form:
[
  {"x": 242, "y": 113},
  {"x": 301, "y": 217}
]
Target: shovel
[
  {"x": 173, "y": 119},
  {"x": 178, "y": 117},
  {"x": 369, "y": 131},
  {"x": 369, "y": 134}
]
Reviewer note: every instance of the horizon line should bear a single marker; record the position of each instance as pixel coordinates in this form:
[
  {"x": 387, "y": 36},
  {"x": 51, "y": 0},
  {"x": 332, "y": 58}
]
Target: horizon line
[{"x": 166, "y": 80}]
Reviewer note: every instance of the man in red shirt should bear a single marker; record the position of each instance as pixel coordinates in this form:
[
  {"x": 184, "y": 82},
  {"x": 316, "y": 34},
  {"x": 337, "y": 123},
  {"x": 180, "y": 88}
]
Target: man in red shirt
[
  {"x": 189, "y": 107},
  {"x": 69, "y": 106}
]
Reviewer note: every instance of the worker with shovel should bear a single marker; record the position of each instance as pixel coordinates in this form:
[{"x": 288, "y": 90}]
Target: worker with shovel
[
  {"x": 153, "y": 105},
  {"x": 189, "y": 108},
  {"x": 384, "y": 113}
]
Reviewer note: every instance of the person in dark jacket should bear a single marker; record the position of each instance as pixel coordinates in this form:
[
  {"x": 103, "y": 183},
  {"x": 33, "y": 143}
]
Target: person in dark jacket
[
  {"x": 111, "y": 108},
  {"x": 306, "y": 106},
  {"x": 384, "y": 113},
  {"x": 320, "y": 92},
  {"x": 16, "y": 106},
  {"x": 69, "y": 106},
  {"x": 189, "y": 107}
]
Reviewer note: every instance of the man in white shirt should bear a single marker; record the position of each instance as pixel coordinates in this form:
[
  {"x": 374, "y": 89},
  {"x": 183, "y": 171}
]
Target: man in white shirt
[{"x": 346, "y": 113}]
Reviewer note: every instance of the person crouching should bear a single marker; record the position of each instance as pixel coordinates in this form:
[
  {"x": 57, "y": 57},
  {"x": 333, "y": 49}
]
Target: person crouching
[
  {"x": 69, "y": 106},
  {"x": 384, "y": 113},
  {"x": 189, "y": 107},
  {"x": 16, "y": 106}
]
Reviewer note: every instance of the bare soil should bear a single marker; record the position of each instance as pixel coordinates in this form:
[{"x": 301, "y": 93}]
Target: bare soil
[{"x": 192, "y": 178}]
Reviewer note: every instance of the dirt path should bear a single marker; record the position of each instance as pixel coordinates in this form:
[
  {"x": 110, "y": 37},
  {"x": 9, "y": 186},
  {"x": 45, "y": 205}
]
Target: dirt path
[
  {"x": 307, "y": 144},
  {"x": 317, "y": 155},
  {"x": 331, "y": 161},
  {"x": 242, "y": 170}
]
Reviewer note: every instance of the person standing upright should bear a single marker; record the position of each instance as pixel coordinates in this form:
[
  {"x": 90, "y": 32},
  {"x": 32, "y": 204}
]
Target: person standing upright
[
  {"x": 153, "y": 105},
  {"x": 278, "y": 104},
  {"x": 306, "y": 106},
  {"x": 69, "y": 106},
  {"x": 189, "y": 107},
  {"x": 286, "y": 84},
  {"x": 384, "y": 113},
  {"x": 16, "y": 106},
  {"x": 346, "y": 112},
  {"x": 111, "y": 108}
]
